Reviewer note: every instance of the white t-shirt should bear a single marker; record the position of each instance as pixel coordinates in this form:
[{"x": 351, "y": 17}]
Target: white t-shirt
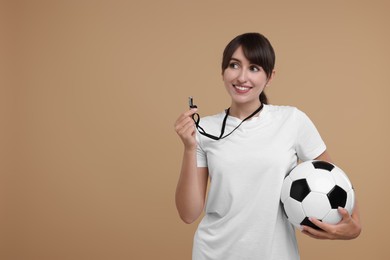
[{"x": 243, "y": 215}]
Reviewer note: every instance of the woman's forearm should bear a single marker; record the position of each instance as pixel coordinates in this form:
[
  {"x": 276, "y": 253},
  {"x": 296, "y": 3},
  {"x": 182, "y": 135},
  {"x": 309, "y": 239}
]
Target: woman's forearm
[{"x": 191, "y": 188}]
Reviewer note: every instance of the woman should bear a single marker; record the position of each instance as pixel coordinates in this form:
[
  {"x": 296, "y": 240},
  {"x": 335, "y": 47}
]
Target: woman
[{"x": 247, "y": 164}]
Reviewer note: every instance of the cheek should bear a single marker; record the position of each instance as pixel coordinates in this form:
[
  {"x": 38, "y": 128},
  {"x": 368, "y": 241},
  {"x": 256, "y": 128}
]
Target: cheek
[
  {"x": 260, "y": 80},
  {"x": 228, "y": 76}
]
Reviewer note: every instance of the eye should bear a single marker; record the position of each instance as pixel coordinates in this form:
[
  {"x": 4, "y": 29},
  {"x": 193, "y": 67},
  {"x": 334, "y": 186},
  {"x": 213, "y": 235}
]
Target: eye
[
  {"x": 234, "y": 65},
  {"x": 254, "y": 68}
]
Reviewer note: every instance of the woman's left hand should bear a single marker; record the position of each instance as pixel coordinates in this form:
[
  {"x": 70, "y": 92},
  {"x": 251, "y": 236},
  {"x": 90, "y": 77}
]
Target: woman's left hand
[{"x": 348, "y": 228}]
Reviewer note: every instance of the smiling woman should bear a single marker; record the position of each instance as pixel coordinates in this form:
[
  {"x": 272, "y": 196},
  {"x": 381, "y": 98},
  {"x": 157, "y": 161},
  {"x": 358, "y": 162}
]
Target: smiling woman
[
  {"x": 257, "y": 51},
  {"x": 245, "y": 82},
  {"x": 244, "y": 218},
  {"x": 89, "y": 90}
]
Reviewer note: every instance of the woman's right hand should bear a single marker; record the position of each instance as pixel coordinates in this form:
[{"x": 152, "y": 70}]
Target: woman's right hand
[{"x": 185, "y": 128}]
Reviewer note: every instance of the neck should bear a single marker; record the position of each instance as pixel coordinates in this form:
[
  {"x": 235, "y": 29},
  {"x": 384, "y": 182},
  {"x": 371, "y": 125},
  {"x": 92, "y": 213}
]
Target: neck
[{"x": 243, "y": 111}]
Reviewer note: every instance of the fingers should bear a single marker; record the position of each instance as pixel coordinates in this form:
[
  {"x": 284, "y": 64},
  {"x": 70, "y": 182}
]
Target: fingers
[
  {"x": 185, "y": 121},
  {"x": 186, "y": 114},
  {"x": 342, "y": 230},
  {"x": 185, "y": 128},
  {"x": 323, "y": 226},
  {"x": 323, "y": 233},
  {"x": 313, "y": 233}
]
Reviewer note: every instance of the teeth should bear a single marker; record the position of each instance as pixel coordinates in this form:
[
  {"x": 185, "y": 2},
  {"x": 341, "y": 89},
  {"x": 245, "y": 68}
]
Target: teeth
[{"x": 241, "y": 88}]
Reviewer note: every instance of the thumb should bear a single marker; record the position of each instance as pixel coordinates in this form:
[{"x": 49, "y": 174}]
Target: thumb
[{"x": 344, "y": 213}]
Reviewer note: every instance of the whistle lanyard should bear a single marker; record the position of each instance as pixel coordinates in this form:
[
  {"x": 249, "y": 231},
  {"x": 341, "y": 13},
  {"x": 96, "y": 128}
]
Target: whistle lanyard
[{"x": 196, "y": 119}]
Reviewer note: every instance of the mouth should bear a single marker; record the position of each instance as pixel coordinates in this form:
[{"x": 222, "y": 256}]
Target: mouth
[{"x": 241, "y": 89}]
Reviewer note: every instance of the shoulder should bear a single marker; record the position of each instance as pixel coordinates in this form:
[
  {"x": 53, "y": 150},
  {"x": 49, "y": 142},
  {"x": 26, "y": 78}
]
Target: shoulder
[
  {"x": 282, "y": 111},
  {"x": 286, "y": 114},
  {"x": 280, "y": 108}
]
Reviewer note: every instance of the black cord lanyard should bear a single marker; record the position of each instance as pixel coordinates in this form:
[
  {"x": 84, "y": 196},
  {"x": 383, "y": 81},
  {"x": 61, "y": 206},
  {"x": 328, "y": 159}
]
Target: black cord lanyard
[{"x": 196, "y": 118}]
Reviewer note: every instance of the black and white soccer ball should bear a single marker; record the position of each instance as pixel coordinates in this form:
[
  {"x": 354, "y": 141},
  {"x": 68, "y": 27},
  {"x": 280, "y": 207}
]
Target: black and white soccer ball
[{"x": 316, "y": 189}]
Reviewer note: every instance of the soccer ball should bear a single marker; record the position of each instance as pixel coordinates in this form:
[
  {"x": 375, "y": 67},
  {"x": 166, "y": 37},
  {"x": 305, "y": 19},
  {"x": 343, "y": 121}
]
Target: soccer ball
[{"x": 316, "y": 189}]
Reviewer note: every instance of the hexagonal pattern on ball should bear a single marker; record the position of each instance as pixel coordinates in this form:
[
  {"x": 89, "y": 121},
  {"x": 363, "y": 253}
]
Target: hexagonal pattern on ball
[
  {"x": 333, "y": 217},
  {"x": 294, "y": 210},
  {"x": 341, "y": 179},
  {"x": 311, "y": 189},
  {"x": 316, "y": 205},
  {"x": 301, "y": 171},
  {"x": 321, "y": 181}
]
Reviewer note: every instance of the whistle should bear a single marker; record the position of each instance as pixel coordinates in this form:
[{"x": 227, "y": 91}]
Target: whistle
[{"x": 191, "y": 102}]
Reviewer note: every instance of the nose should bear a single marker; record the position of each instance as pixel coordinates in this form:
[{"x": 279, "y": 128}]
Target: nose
[{"x": 242, "y": 76}]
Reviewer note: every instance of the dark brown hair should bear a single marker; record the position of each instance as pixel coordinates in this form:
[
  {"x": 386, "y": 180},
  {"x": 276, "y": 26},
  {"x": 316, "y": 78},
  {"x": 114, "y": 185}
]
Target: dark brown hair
[{"x": 257, "y": 49}]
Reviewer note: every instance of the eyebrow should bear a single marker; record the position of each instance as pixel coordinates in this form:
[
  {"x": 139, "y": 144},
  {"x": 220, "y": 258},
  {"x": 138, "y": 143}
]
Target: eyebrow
[{"x": 235, "y": 59}]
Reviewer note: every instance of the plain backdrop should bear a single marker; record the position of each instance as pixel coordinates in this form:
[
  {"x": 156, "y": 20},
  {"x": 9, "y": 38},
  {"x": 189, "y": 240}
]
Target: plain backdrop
[{"x": 90, "y": 91}]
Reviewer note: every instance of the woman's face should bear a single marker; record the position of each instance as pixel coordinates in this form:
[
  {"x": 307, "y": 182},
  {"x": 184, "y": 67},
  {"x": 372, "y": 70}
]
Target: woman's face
[{"x": 244, "y": 81}]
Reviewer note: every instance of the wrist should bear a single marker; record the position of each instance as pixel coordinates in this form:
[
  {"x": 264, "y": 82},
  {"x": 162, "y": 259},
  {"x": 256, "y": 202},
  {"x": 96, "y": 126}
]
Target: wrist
[{"x": 190, "y": 148}]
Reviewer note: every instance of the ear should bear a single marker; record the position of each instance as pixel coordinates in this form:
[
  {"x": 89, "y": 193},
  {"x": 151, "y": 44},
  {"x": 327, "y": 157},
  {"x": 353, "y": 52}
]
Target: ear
[{"x": 270, "y": 78}]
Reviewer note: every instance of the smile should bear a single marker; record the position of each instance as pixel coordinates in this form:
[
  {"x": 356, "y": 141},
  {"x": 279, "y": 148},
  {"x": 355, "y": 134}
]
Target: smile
[{"x": 241, "y": 89}]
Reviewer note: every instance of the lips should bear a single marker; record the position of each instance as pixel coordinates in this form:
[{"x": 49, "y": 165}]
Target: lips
[{"x": 241, "y": 89}]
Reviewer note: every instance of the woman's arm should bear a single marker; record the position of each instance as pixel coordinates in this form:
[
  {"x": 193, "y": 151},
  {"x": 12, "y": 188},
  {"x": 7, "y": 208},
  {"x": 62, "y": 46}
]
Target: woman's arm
[
  {"x": 192, "y": 185},
  {"x": 348, "y": 228},
  {"x": 191, "y": 194}
]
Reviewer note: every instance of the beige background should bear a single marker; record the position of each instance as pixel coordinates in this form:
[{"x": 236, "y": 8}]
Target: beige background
[{"x": 90, "y": 91}]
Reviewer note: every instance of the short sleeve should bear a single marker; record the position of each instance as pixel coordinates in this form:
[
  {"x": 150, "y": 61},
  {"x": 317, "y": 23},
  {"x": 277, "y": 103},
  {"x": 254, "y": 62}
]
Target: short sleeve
[
  {"x": 201, "y": 157},
  {"x": 309, "y": 143}
]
